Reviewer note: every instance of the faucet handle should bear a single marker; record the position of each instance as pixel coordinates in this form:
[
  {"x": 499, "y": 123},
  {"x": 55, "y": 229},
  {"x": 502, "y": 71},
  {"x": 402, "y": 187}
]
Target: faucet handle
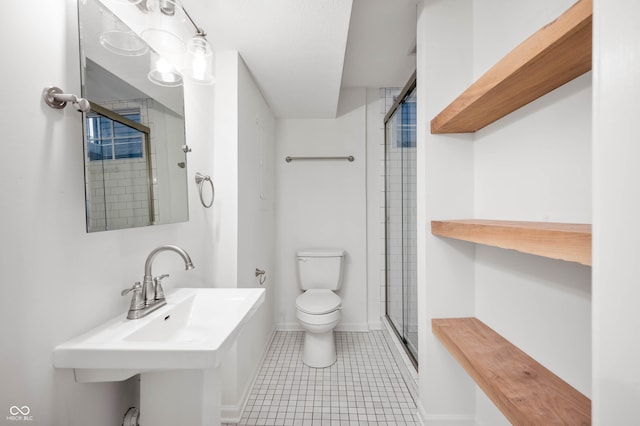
[
  {"x": 136, "y": 301},
  {"x": 136, "y": 287},
  {"x": 158, "y": 286}
]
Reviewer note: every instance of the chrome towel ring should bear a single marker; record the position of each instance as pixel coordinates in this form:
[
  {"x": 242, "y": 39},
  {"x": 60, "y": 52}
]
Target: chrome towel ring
[{"x": 200, "y": 179}]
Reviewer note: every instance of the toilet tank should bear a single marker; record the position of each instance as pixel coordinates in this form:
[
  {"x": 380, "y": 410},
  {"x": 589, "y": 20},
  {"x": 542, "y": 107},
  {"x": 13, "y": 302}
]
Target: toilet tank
[{"x": 320, "y": 268}]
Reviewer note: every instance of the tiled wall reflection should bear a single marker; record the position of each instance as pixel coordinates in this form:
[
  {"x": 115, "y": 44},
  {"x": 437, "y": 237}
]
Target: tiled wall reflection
[{"x": 118, "y": 192}]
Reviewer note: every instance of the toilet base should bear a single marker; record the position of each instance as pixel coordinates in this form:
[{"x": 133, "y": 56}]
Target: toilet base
[{"x": 319, "y": 349}]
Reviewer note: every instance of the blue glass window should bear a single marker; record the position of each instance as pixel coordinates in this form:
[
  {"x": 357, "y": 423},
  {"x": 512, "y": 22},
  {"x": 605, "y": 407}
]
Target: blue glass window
[
  {"x": 111, "y": 140},
  {"x": 406, "y": 123}
]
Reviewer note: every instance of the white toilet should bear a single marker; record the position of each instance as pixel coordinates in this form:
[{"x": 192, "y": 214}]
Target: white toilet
[{"x": 318, "y": 308}]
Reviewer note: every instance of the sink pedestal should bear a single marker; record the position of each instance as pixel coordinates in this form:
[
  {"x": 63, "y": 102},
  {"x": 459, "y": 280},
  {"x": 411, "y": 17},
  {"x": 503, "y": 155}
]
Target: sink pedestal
[{"x": 180, "y": 397}]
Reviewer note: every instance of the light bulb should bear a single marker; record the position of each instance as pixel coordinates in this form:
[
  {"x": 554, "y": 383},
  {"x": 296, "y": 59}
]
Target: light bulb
[
  {"x": 199, "y": 66},
  {"x": 163, "y": 66},
  {"x": 163, "y": 73},
  {"x": 199, "y": 61}
]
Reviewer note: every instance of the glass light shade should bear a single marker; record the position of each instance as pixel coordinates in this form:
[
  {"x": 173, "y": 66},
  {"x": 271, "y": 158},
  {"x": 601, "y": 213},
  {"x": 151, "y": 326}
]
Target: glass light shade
[
  {"x": 162, "y": 32},
  {"x": 167, "y": 45},
  {"x": 199, "y": 61},
  {"x": 165, "y": 31},
  {"x": 163, "y": 73},
  {"x": 126, "y": 2},
  {"x": 116, "y": 37},
  {"x": 166, "y": 7}
]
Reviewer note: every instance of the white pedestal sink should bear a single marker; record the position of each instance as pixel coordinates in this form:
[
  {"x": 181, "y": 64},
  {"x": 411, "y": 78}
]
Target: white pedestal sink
[{"x": 176, "y": 350}]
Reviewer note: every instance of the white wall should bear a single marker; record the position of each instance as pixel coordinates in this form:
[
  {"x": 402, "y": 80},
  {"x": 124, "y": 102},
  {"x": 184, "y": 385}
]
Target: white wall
[
  {"x": 244, "y": 216},
  {"x": 445, "y": 190},
  {"x": 376, "y": 109},
  {"x": 256, "y": 233},
  {"x": 616, "y": 206},
  {"x": 60, "y": 281},
  {"x": 534, "y": 164},
  {"x": 323, "y": 204}
]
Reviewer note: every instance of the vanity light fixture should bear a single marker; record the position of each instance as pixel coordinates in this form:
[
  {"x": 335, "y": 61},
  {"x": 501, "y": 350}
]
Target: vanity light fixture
[
  {"x": 163, "y": 29},
  {"x": 198, "y": 65},
  {"x": 164, "y": 20},
  {"x": 174, "y": 60},
  {"x": 196, "y": 59}
]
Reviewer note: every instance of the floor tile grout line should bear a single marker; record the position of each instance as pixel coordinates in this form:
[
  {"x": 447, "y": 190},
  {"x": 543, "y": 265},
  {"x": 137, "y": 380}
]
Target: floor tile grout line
[{"x": 364, "y": 385}]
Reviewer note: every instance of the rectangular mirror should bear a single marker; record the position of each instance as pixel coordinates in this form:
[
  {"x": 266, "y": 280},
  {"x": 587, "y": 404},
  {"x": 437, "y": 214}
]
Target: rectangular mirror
[{"x": 134, "y": 138}]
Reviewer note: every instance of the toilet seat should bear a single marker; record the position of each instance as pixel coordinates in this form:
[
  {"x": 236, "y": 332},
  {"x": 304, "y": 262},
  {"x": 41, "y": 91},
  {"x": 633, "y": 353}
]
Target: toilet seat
[{"x": 318, "y": 302}]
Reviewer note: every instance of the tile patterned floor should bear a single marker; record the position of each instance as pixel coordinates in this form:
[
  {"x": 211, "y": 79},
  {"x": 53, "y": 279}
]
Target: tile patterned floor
[{"x": 363, "y": 387}]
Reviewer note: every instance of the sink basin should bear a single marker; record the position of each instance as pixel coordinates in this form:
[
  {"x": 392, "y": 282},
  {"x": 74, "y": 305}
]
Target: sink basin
[
  {"x": 191, "y": 332},
  {"x": 176, "y": 349}
]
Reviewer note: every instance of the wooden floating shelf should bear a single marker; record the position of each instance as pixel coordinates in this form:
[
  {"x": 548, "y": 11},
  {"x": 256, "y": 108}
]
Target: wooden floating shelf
[
  {"x": 564, "y": 241},
  {"x": 553, "y": 56},
  {"x": 524, "y": 390}
]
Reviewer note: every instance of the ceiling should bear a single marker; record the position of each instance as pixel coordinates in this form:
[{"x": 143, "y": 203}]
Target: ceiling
[
  {"x": 301, "y": 52},
  {"x": 381, "y": 44}
]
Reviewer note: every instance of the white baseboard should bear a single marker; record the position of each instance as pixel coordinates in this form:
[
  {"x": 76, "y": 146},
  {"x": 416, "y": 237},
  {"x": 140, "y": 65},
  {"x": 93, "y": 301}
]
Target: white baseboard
[
  {"x": 288, "y": 326},
  {"x": 446, "y": 420},
  {"x": 356, "y": 327},
  {"x": 375, "y": 325},
  {"x": 233, "y": 413},
  {"x": 442, "y": 419}
]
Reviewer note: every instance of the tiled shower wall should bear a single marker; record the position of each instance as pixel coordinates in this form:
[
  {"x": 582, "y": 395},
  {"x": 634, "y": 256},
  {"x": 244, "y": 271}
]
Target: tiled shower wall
[
  {"x": 400, "y": 172},
  {"x": 118, "y": 194}
]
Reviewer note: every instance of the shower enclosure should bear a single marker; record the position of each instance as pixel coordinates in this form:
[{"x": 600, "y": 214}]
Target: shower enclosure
[{"x": 400, "y": 220}]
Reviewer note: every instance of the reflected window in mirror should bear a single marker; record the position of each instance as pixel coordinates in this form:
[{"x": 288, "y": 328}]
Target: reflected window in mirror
[{"x": 110, "y": 140}]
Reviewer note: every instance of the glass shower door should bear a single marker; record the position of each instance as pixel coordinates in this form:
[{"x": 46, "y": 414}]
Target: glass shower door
[{"x": 401, "y": 244}]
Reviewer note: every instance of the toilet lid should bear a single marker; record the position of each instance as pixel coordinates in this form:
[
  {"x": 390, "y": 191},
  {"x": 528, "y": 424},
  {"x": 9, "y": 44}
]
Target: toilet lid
[{"x": 318, "y": 302}]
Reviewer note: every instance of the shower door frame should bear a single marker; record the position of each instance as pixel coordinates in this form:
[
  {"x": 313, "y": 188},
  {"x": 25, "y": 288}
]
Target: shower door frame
[{"x": 404, "y": 93}]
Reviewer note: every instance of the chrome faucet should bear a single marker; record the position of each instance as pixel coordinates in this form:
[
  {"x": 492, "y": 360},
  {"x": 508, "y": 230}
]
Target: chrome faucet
[{"x": 150, "y": 295}]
